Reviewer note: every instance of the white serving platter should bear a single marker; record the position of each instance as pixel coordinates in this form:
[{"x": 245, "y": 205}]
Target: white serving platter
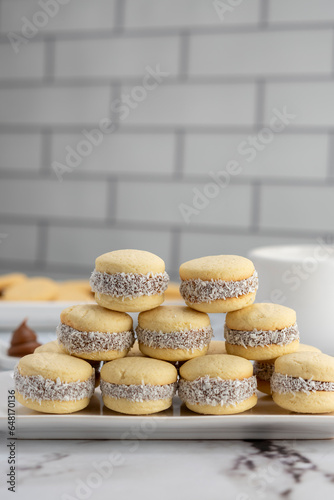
[{"x": 265, "y": 421}]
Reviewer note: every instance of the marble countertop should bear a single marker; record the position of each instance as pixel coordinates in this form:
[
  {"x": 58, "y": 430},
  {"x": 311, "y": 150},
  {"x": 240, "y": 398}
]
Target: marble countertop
[{"x": 239, "y": 470}]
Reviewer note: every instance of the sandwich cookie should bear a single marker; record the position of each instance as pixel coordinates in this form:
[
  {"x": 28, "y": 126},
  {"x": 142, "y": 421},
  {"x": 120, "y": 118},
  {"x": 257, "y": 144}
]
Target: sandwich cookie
[
  {"x": 53, "y": 383},
  {"x": 54, "y": 346},
  {"x": 173, "y": 333},
  {"x": 217, "y": 284},
  {"x": 129, "y": 280},
  {"x": 8, "y": 280},
  {"x": 261, "y": 331},
  {"x": 91, "y": 332},
  {"x": 218, "y": 384},
  {"x": 138, "y": 385},
  {"x": 304, "y": 382},
  {"x": 263, "y": 370}
]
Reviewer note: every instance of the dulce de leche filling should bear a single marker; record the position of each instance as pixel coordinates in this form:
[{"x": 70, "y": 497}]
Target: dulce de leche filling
[
  {"x": 189, "y": 339},
  {"x": 198, "y": 291},
  {"x": 138, "y": 393},
  {"x": 261, "y": 338},
  {"x": 76, "y": 341},
  {"x": 38, "y": 388},
  {"x": 129, "y": 285},
  {"x": 284, "y": 384},
  {"x": 216, "y": 391}
]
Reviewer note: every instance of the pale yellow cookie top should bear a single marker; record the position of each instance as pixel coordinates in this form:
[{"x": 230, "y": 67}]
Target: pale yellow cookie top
[
  {"x": 307, "y": 365},
  {"x": 223, "y": 267},
  {"x": 38, "y": 288},
  {"x": 53, "y": 346},
  {"x": 51, "y": 365},
  {"x": 11, "y": 279},
  {"x": 217, "y": 347},
  {"x": 224, "y": 366},
  {"x": 261, "y": 317},
  {"x": 94, "y": 318},
  {"x": 173, "y": 319},
  {"x": 139, "y": 371},
  {"x": 307, "y": 348},
  {"x": 129, "y": 261}
]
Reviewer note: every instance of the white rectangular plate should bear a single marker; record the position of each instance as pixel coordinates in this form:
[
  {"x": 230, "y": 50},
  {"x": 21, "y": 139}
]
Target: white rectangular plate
[{"x": 265, "y": 421}]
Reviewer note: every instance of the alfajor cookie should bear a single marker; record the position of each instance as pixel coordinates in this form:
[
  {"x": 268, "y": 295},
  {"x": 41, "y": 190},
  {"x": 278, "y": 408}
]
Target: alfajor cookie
[
  {"x": 218, "y": 384},
  {"x": 219, "y": 283},
  {"x": 129, "y": 280},
  {"x": 263, "y": 370},
  {"x": 261, "y": 331},
  {"x": 53, "y": 383},
  {"x": 138, "y": 385},
  {"x": 91, "y": 332},
  {"x": 38, "y": 288},
  {"x": 173, "y": 333},
  {"x": 304, "y": 382}
]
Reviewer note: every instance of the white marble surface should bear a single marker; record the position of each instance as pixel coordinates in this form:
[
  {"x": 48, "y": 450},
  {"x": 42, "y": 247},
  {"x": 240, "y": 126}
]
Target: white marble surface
[{"x": 162, "y": 470}]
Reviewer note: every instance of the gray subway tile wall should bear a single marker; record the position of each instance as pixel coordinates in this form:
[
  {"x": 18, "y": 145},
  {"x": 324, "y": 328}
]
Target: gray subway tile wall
[{"x": 225, "y": 76}]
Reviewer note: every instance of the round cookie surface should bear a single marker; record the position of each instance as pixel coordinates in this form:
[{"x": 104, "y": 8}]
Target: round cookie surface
[
  {"x": 217, "y": 267},
  {"x": 224, "y": 366},
  {"x": 93, "y": 318},
  {"x": 138, "y": 371},
  {"x": 53, "y": 346},
  {"x": 129, "y": 261},
  {"x": 170, "y": 319},
  {"x": 32, "y": 289},
  {"x": 307, "y": 365},
  {"x": 261, "y": 316}
]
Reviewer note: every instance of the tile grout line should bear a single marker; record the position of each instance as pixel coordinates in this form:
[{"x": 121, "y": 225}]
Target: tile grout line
[
  {"x": 330, "y": 157},
  {"x": 112, "y": 201},
  {"x": 179, "y": 154},
  {"x": 175, "y": 250},
  {"x": 259, "y": 103},
  {"x": 45, "y": 154},
  {"x": 119, "y": 12},
  {"x": 42, "y": 242},
  {"x": 255, "y": 207},
  {"x": 183, "y": 66},
  {"x": 264, "y": 14},
  {"x": 49, "y": 60}
]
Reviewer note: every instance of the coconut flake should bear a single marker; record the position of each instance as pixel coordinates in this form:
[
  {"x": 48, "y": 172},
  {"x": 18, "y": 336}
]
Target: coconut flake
[
  {"x": 261, "y": 338},
  {"x": 76, "y": 341},
  {"x": 138, "y": 393},
  {"x": 198, "y": 291},
  {"x": 263, "y": 371},
  {"x": 284, "y": 384},
  {"x": 38, "y": 388},
  {"x": 185, "y": 339},
  {"x": 129, "y": 285},
  {"x": 216, "y": 391}
]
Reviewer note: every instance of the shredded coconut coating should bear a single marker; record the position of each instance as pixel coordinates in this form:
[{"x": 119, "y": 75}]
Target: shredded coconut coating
[
  {"x": 77, "y": 342},
  {"x": 198, "y": 291},
  {"x": 216, "y": 391},
  {"x": 263, "y": 371},
  {"x": 261, "y": 338},
  {"x": 284, "y": 384},
  {"x": 41, "y": 389},
  {"x": 138, "y": 393},
  {"x": 129, "y": 285},
  {"x": 188, "y": 339}
]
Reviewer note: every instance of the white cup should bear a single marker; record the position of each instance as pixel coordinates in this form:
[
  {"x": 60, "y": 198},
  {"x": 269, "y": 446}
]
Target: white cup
[{"x": 300, "y": 277}]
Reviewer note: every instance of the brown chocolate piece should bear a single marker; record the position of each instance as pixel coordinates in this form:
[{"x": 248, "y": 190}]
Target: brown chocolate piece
[{"x": 23, "y": 341}]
